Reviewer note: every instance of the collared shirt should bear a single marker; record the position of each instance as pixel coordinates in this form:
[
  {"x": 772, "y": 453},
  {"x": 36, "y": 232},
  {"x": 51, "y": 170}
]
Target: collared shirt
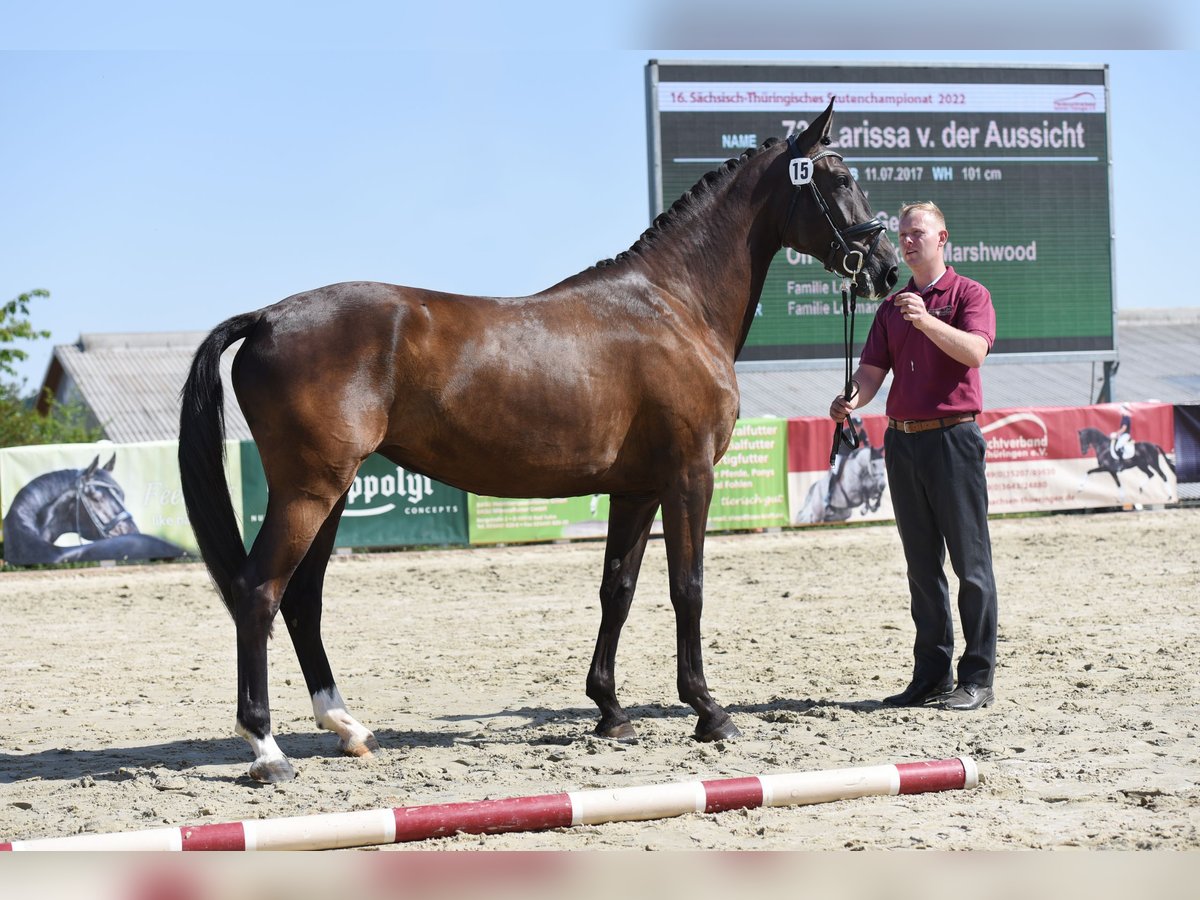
[{"x": 926, "y": 383}]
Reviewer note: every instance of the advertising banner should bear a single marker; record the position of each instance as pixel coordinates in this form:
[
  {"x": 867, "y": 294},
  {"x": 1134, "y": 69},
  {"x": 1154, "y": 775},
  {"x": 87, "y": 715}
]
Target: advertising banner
[
  {"x": 749, "y": 491},
  {"x": 387, "y": 506},
  {"x": 1050, "y": 458},
  {"x": 854, "y": 489},
  {"x": 750, "y": 481},
  {"x": 1084, "y": 457},
  {"x": 104, "y": 501}
]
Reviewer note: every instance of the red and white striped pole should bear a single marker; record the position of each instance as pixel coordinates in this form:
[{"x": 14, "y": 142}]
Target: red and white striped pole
[{"x": 630, "y": 804}]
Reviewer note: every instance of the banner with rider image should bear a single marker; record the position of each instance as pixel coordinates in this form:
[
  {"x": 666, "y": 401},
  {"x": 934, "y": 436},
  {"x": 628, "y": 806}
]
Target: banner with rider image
[
  {"x": 95, "y": 502},
  {"x": 749, "y": 491},
  {"x": 854, "y": 489},
  {"x": 1043, "y": 459},
  {"x": 387, "y": 506}
]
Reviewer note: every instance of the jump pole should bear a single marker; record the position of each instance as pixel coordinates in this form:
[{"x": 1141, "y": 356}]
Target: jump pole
[{"x": 331, "y": 831}]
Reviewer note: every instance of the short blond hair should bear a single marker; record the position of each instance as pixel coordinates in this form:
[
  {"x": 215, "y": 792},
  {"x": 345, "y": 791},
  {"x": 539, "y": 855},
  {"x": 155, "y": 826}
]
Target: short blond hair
[{"x": 924, "y": 206}]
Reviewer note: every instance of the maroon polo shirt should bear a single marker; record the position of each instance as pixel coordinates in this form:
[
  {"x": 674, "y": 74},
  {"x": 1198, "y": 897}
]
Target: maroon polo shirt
[{"x": 926, "y": 383}]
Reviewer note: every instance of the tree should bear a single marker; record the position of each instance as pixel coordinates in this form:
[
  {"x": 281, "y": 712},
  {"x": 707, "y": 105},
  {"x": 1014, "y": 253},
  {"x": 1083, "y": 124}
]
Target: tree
[
  {"x": 14, "y": 325},
  {"x": 20, "y": 422}
]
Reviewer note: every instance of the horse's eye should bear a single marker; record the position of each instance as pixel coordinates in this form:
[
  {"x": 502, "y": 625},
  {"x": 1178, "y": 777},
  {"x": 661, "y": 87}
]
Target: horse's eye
[{"x": 843, "y": 181}]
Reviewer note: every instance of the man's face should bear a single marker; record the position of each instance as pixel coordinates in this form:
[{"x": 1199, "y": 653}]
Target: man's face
[{"x": 921, "y": 239}]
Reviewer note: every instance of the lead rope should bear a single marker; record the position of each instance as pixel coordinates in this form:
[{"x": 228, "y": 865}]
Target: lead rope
[{"x": 845, "y": 431}]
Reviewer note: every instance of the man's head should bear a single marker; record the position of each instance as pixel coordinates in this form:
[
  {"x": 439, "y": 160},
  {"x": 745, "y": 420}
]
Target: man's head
[{"x": 922, "y": 236}]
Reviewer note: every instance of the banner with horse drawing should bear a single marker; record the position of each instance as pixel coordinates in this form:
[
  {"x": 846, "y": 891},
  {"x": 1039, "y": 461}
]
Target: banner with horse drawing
[
  {"x": 1048, "y": 458},
  {"x": 89, "y": 502},
  {"x": 853, "y": 489},
  {"x": 1080, "y": 457}
]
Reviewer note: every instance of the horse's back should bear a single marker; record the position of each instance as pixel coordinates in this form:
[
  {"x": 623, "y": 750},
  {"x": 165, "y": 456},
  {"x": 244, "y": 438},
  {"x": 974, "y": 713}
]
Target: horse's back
[{"x": 538, "y": 395}]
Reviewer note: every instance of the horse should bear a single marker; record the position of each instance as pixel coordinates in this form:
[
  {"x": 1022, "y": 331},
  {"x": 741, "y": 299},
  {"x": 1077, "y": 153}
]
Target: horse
[
  {"x": 1146, "y": 457},
  {"x": 860, "y": 487},
  {"x": 85, "y": 502},
  {"x": 617, "y": 380}
]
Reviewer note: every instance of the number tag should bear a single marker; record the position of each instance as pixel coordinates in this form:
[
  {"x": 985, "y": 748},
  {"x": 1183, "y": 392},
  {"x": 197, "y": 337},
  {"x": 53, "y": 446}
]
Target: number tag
[{"x": 801, "y": 170}]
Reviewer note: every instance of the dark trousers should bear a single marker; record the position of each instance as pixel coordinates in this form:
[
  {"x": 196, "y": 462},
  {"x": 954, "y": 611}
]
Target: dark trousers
[{"x": 939, "y": 494}]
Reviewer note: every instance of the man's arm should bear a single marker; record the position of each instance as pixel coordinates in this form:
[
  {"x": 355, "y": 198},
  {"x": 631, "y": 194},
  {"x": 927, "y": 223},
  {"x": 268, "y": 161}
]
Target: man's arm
[
  {"x": 965, "y": 347},
  {"x": 868, "y": 379}
]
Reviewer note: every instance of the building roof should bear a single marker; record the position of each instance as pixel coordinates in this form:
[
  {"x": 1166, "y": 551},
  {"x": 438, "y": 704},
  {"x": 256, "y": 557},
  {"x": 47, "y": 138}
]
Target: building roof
[{"x": 131, "y": 382}]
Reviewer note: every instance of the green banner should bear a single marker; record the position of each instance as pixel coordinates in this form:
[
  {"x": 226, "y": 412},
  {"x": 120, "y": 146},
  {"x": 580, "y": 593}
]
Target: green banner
[
  {"x": 750, "y": 486},
  {"x": 387, "y": 506}
]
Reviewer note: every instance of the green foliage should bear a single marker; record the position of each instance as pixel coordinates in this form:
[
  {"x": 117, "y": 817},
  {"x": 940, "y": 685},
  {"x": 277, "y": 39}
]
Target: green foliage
[
  {"x": 20, "y": 422},
  {"x": 15, "y": 325},
  {"x": 22, "y": 425}
]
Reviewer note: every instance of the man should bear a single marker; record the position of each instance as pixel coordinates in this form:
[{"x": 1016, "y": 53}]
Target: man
[{"x": 933, "y": 336}]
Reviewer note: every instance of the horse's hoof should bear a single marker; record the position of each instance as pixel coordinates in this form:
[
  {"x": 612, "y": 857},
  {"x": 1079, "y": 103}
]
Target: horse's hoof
[
  {"x": 362, "y": 748},
  {"x": 272, "y": 771},
  {"x": 619, "y": 731},
  {"x": 726, "y": 729}
]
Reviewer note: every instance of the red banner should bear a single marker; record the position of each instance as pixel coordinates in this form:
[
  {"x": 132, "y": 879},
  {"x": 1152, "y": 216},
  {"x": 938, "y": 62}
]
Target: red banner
[{"x": 1046, "y": 458}]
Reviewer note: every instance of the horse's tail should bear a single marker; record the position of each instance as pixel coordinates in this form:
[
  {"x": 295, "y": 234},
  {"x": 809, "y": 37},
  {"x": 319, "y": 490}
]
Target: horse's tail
[
  {"x": 202, "y": 457},
  {"x": 1165, "y": 458}
]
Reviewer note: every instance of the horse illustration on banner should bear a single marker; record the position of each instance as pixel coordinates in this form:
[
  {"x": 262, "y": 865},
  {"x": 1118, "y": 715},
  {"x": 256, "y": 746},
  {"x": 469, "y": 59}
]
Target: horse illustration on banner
[
  {"x": 1142, "y": 455},
  {"x": 83, "y": 507},
  {"x": 860, "y": 487}
]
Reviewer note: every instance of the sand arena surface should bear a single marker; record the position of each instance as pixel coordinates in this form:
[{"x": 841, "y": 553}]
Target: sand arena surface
[{"x": 117, "y": 693}]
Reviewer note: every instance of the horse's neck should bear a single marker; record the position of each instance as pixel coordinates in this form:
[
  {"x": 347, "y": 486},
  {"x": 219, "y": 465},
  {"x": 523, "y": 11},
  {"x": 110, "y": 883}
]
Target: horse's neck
[
  {"x": 32, "y": 504},
  {"x": 717, "y": 260}
]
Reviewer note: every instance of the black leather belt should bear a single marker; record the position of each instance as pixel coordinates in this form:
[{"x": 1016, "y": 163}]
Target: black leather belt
[{"x": 912, "y": 426}]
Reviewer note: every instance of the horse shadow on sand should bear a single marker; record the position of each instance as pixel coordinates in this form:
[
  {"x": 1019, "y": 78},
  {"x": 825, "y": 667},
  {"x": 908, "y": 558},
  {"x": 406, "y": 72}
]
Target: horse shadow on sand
[{"x": 540, "y": 727}]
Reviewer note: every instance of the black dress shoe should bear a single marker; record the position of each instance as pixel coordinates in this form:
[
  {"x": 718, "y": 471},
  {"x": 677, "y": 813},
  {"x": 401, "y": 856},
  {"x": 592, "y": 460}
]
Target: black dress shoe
[
  {"x": 969, "y": 696},
  {"x": 921, "y": 693}
]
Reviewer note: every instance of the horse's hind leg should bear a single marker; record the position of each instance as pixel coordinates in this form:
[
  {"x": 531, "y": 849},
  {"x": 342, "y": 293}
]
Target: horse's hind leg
[
  {"x": 301, "y": 610},
  {"x": 288, "y": 531},
  {"x": 685, "y": 516},
  {"x": 629, "y": 522}
]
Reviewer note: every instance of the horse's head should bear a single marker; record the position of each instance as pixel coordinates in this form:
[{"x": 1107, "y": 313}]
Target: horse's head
[
  {"x": 100, "y": 503},
  {"x": 829, "y": 217},
  {"x": 1091, "y": 439}
]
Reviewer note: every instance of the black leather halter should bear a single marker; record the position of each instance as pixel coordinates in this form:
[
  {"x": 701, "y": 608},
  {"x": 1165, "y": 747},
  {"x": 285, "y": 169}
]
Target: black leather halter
[{"x": 853, "y": 261}]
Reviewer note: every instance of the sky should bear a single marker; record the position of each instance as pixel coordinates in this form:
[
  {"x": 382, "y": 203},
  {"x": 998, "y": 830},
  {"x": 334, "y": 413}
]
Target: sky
[{"x": 162, "y": 171}]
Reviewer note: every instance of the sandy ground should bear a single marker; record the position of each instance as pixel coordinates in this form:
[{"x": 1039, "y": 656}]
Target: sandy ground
[{"x": 117, "y": 692}]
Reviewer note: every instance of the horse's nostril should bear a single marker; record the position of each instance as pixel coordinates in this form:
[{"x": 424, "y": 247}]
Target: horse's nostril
[{"x": 891, "y": 278}]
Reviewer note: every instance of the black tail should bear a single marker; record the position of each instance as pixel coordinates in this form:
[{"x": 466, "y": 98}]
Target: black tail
[{"x": 202, "y": 457}]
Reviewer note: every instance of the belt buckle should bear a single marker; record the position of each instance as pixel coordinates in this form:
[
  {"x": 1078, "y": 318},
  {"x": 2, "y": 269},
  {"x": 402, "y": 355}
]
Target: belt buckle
[{"x": 907, "y": 422}]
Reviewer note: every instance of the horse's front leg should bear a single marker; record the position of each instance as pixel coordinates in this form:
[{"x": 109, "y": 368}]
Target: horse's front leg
[
  {"x": 685, "y": 516},
  {"x": 629, "y": 521}
]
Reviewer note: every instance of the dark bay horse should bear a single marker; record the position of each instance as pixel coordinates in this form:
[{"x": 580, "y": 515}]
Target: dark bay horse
[
  {"x": 1146, "y": 456},
  {"x": 87, "y": 502},
  {"x": 618, "y": 380}
]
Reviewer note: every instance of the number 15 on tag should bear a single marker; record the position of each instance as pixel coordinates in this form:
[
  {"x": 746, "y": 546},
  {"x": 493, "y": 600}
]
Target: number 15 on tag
[{"x": 801, "y": 170}]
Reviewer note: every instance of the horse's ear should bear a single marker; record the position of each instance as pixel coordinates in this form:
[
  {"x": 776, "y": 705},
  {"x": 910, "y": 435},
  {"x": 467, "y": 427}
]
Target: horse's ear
[
  {"x": 108, "y": 466},
  {"x": 91, "y": 470},
  {"x": 818, "y": 131}
]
